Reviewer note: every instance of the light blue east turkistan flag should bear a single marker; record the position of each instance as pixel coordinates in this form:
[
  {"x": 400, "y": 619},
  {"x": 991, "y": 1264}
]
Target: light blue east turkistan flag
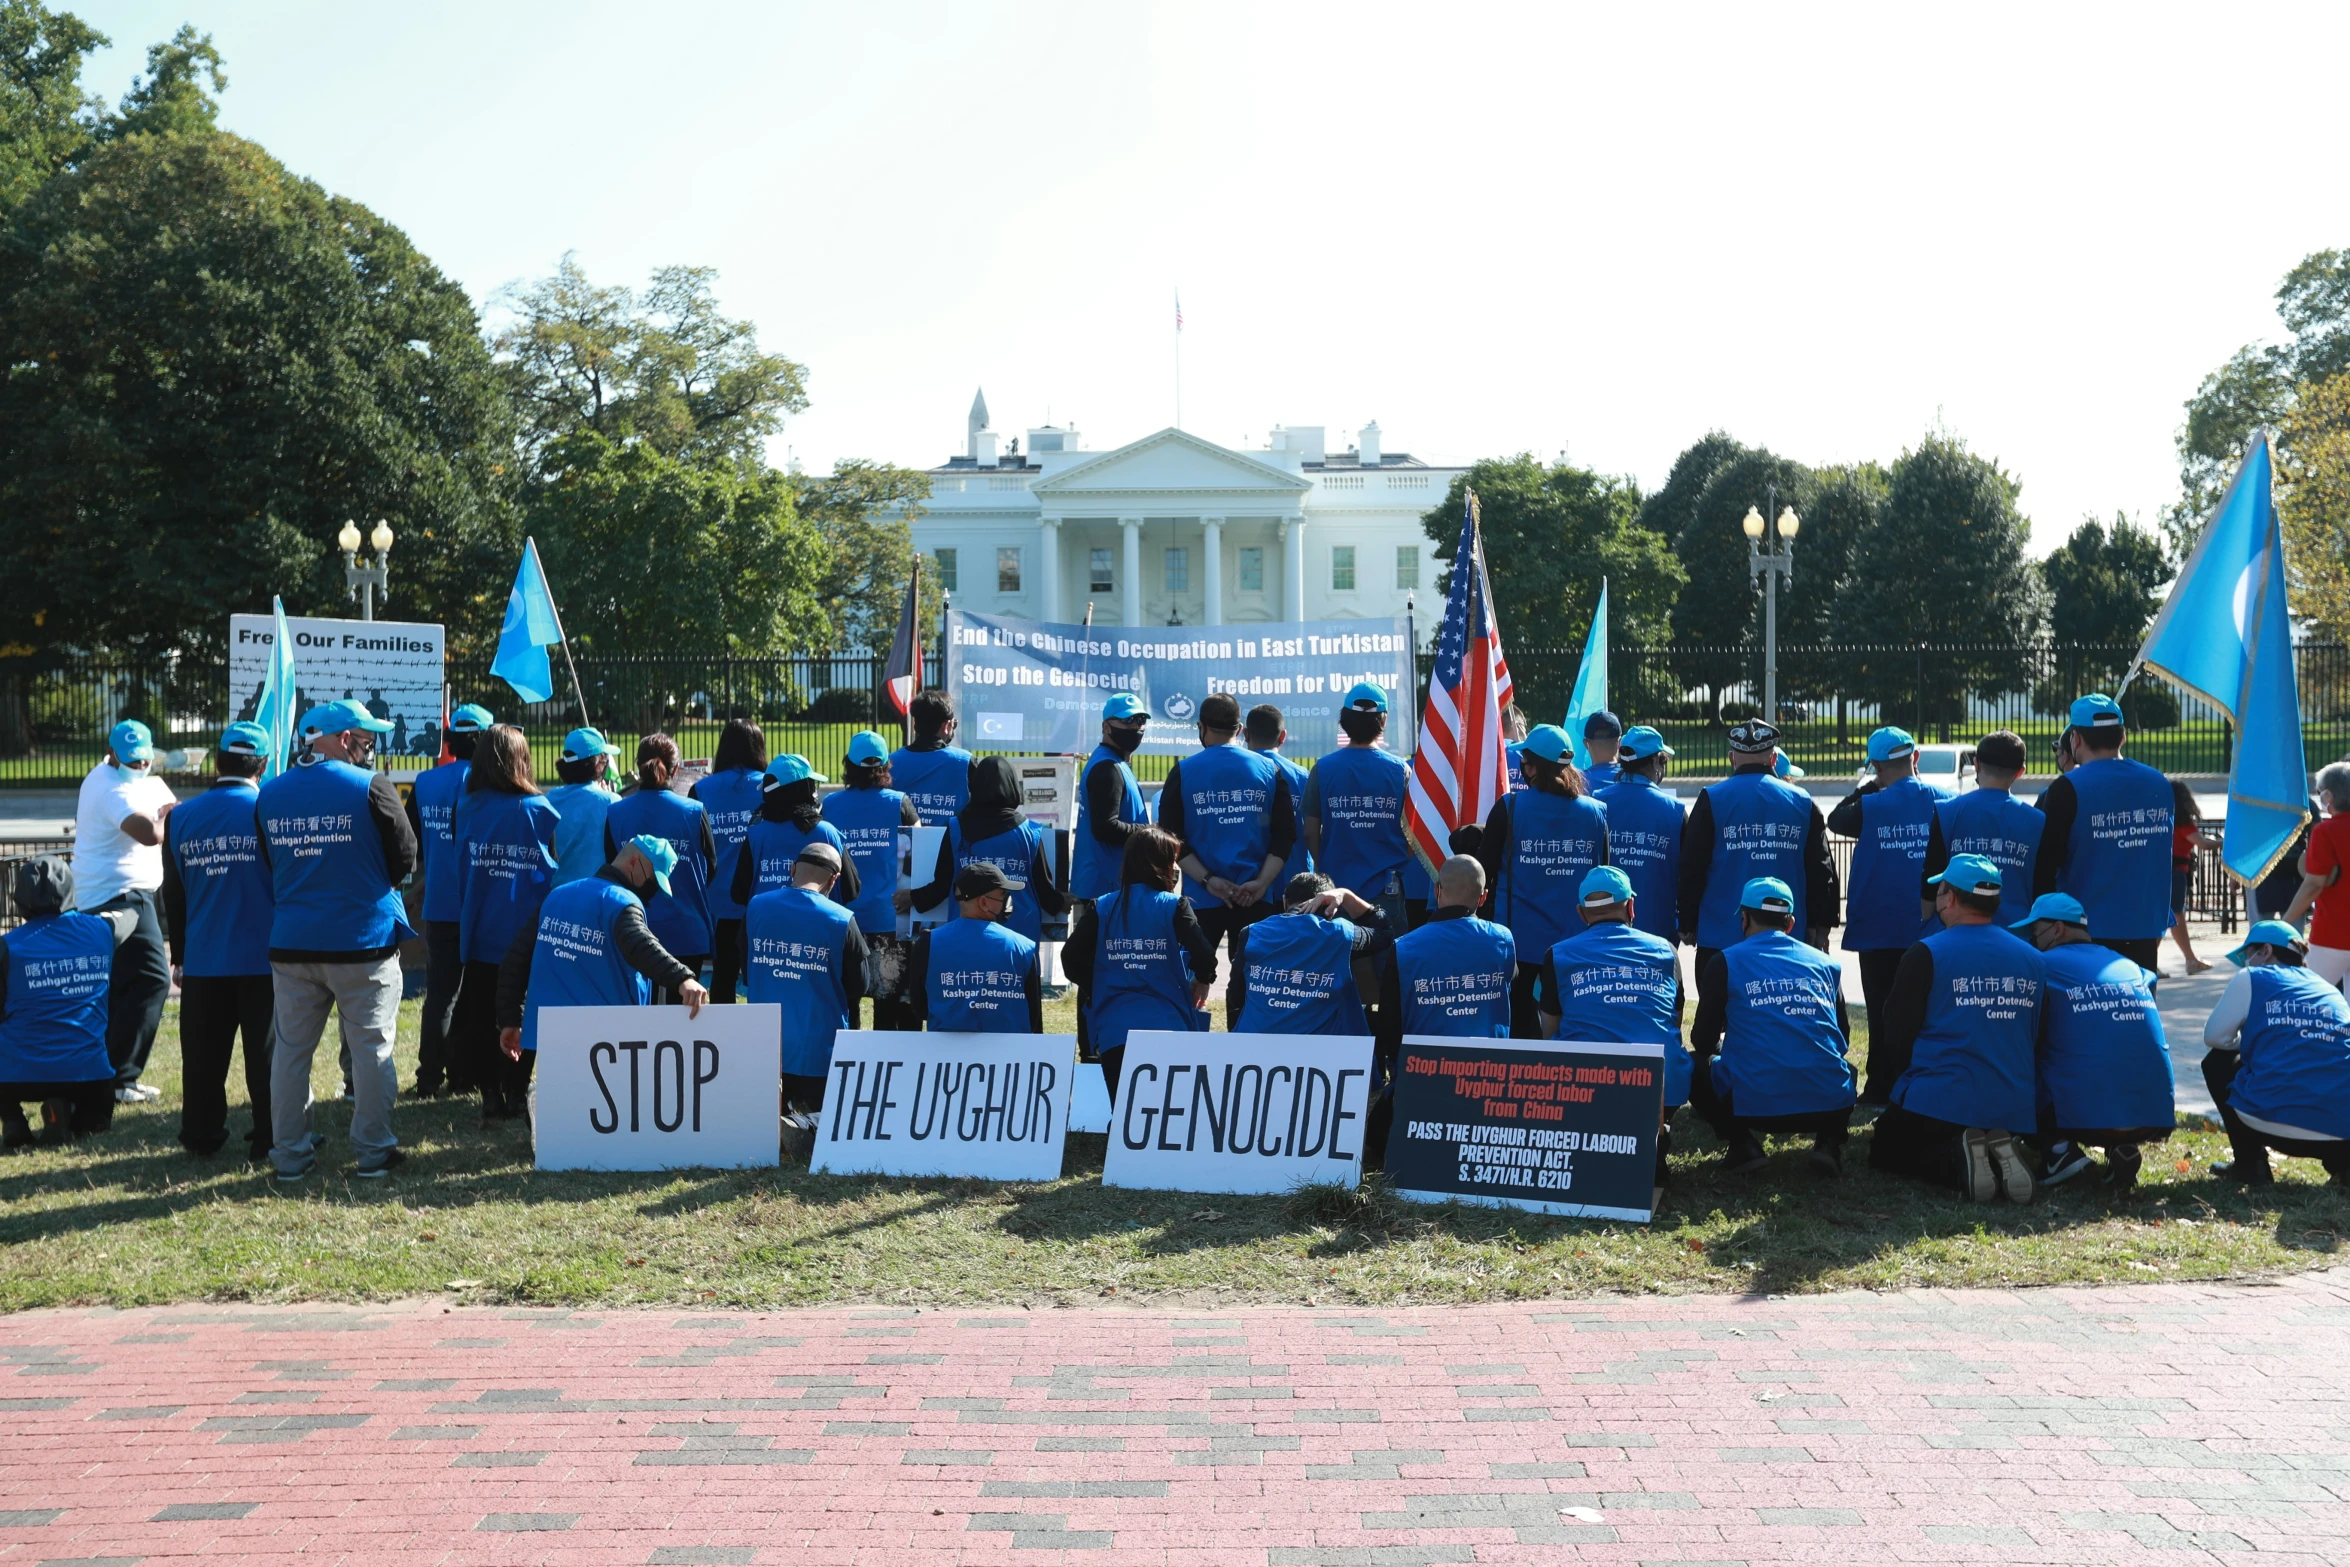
[
  {"x": 2226, "y": 634},
  {"x": 278, "y": 694},
  {"x": 531, "y": 623},
  {"x": 1590, "y": 681}
]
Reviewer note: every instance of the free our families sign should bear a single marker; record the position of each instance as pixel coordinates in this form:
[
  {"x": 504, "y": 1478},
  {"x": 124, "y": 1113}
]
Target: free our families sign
[
  {"x": 393, "y": 668},
  {"x": 1239, "y": 1113},
  {"x": 989, "y": 1105},
  {"x": 648, "y": 1088}
]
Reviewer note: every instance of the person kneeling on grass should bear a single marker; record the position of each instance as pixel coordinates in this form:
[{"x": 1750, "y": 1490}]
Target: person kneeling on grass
[
  {"x": 808, "y": 956},
  {"x": 2279, "y": 1059},
  {"x": 1612, "y": 982},
  {"x": 1775, "y": 1008},
  {"x": 1963, "y": 1018},
  {"x": 1300, "y": 964},
  {"x": 976, "y": 974},
  {"x": 2104, "y": 1069},
  {"x": 55, "y": 970}
]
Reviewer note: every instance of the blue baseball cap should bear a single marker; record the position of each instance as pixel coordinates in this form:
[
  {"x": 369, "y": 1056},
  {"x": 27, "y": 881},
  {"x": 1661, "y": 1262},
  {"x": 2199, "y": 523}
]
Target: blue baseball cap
[
  {"x": 1641, "y": 742},
  {"x": 2060, "y": 906},
  {"x": 789, "y": 769},
  {"x": 1366, "y": 696},
  {"x": 1603, "y": 885},
  {"x": 1783, "y": 766},
  {"x": 471, "y": 719},
  {"x": 868, "y": 749},
  {"x": 1549, "y": 742},
  {"x": 130, "y": 742},
  {"x": 1124, "y": 705},
  {"x": 1891, "y": 744},
  {"x": 332, "y": 718},
  {"x": 1971, "y": 873},
  {"x": 1767, "y": 895},
  {"x": 658, "y": 850},
  {"x": 1602, "y": 725},
  {"x": 2266, "y": 933},
  {"x": 2096, "y": 711},
  {"x": 583, "y": 743},
  {"x": 245, "y": 739}
]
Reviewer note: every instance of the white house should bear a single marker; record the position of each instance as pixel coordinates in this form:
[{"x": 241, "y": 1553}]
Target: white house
[{"x": 1175, "y": 530}]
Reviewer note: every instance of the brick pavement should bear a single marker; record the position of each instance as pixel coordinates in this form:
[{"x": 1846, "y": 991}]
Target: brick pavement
[{"x": 2163, "y": 1423}]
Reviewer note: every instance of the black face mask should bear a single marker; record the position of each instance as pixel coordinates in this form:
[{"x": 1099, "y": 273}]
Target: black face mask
[{"x": 1123, "y": 741}]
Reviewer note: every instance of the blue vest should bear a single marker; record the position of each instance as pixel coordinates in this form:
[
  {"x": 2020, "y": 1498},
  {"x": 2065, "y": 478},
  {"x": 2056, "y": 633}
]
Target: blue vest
[
  {"x": 938, "y": 782},
  {"x": 506, "y": 843},
  {"x": 326, "y": 863},
  {"x": 1015, "y": 854},
  {"x": 575, "y": 963},
  {"x": 1140, "y": 976},
  {"x": 1617, "y": 985},
  {"x": 1454, "y": 977},
  {"x": 2295, "y": 1048},
  {"x": 1300, "y": 858},
  {"x": 680, "y": 917},
  {"x": 1227, "y": 813},
  {"x": 1883, "y": 907},
  {"x": 229, "y": 902},
  {"x": 1644, "y": 842},
  {"x": 2104, "y": 1064},
  {"x": 1973, "y": 1061},
  {"x": 869, "y": 820},
  {"x": 1511, "y": 754},
  {"x": 2118, "y": 861},
  {"x": 1094, "y": 872},
  {"x": 978, "y": 978},
  {"x": 1599, "y": 775},
  {"x": 1759, "y": 826},
  {"x": 794, "y": 942},
  {"x": 54, "y": 1027},
  {"x": 581, "y": 810},
  {"x": 1558, "y": 841},
  {"x": 1782, "y": 1053},
  {"x": 775, "y": 846},
  {"x": 2003, "y": 830},
  {"x": 732, "y": 799},
  {"x": 436, "y": 792},
  {"x": 1358, "y": 795},
  {"x": 1301, "y": 977}
]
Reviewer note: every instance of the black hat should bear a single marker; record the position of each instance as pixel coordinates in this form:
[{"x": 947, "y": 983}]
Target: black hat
[
  {"x": 1754, "y": 735},
  {"x": 981, "y": 877},
  {"x": 43, "y": 886}
]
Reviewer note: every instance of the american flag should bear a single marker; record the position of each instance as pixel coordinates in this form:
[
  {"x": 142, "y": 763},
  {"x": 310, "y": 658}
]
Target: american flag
[{"x": 1462, "y": 763}]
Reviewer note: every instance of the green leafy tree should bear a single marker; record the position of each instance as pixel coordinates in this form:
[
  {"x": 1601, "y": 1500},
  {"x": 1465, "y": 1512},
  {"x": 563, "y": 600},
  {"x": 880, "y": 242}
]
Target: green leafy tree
[
  {"x": 2314, "y": 502},
  {"x": 1721, "y": 609},
  {"x": 172, "y": 99},
  {"x": 46, "y": 119},
  {"x": 1839, "y": 510},
  {"x": 1667, "y": 510},
  {"x": 2102, "y": 585},
  {"x": 865, "y": 512}
]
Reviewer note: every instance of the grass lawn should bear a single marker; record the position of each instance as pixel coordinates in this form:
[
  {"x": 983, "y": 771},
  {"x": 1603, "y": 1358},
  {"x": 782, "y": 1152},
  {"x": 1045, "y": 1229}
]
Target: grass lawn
[{"x": 129, "y": 1218}]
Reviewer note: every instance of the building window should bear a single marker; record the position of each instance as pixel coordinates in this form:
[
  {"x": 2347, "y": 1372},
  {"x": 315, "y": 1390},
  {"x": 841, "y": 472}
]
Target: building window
[
  {"x": 1007, "y": 569},
  {"x": 946, "y": 569},
  {"x": 1252, "y": 570},
  {"x": 1407, "y": 566},
  {"x": 1098, "y": 578},
  {"x": 1342, "y": 568},
  {"x": 1179, "y": 571}
]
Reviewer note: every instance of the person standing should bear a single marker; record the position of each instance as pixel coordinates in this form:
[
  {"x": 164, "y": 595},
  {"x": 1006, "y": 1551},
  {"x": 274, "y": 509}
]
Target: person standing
[
  {"x": 1772, "y": 1038},
  {"x": 338, "y": 846},
  {"x": 730, "y": 793},
  {"x": 2277, "y": 1060},
  {"x": 1990, "y": 821},
  {"x": 1612, "y": 982},
  {"x": 1265, "y": 732},
  {"x": 1644, "y": 823},
  {"x": 581, "y": 798},
  {"x": 1603, "y": 738},
  {"x": 432, "y": 819},
  {"x": 1537, "y": 846},
  {"x": 1513, "y": 734},
  {"x": 55, "y": 970},
  {"x": 118, "y": 864},
  {"x": 869, "y": 814},
  {"x": 1353, "y": 814},
  {"x": 1109, "y": 799},
  {"x": 678, "y": 910},
  {"x": 217, "y": 896},
  {"x": 2186, "y": 836},
  {"x": 1452, "y": 975},
  {"x": 807, "y": 955},
  {"x": 1135, "y": 954},
  {"x": 1300, "y": 963},
  {"x": 975, "y": 974},
  {"x": 1747, "y": 826},
  {"x": 1232, "y": 811},
  {"x": 930, "y": 769},
  {"x": 790, "y": 818},
  {"x": 2321, "y": 898},
  {"x": 2107, "y": 839},
  {"x": 2104, "y": 1067},
  {"x": 506, "y": 846},
  {"x": 1891, "y": 819}
]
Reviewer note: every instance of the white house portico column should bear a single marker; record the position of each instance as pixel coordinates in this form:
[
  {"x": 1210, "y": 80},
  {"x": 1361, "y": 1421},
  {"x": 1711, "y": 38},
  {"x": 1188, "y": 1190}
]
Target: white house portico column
[
  {"x": 1212, "y": 565},
  {"x": 1048, "y": 568},
  {"x": 1293, "y": 568},
  {"x": 1130, "y": 571}
]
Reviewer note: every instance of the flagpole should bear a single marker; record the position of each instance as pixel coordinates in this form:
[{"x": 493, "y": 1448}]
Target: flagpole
[
  {"x": 916, "y": 619},
  {"x": 1179, "y": 359},
  {"x": 561, "y": 635}
]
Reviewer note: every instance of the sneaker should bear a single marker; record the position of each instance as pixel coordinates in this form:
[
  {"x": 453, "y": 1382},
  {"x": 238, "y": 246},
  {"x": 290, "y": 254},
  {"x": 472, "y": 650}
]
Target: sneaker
[
  {"x": 391, "y": 1161},
  {"x": 1982, "y": 1181},
  {"x": 2122, "y": 1166},
  {"x": 1826, "y": 1163},
  {"x": 2244, "y": 1174},
  {"x": 2062, "y": 1161},
  {"x": 129, "y": 1094},
  {"x": 2015, "y": 1173},
  {"x": 300, "y": 1173},
  {"x": 1746, "y": 1155}
]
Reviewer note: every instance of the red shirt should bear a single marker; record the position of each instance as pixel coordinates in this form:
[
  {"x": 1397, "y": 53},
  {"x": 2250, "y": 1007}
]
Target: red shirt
[
  {"x": 2329, "y": 850},
  {"x": 2182, "y": 846}
]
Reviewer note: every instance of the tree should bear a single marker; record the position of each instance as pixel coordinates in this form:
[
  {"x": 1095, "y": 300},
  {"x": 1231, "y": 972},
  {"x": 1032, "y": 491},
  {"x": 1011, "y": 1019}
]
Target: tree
[
  {"x": 2102, "y": 586},
  {"x": 45, "y": 117},
  {"x": 171, "y": 100},
  {"x": 1839, "y": 511},
  {"x": 868, "y": 555},
  {"x": 1667, "y": 510},
  {"x": 2314, "y": 502},
  {"x": 1722, "y": 606}
]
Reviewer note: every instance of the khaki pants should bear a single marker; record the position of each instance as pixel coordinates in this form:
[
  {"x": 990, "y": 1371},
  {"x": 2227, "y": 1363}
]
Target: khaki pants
[{"x": 367, "y": 998}]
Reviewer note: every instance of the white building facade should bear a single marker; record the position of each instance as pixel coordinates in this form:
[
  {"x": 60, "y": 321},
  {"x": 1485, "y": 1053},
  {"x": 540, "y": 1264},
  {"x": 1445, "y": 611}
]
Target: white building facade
[{"x": 1175, "y": 530}]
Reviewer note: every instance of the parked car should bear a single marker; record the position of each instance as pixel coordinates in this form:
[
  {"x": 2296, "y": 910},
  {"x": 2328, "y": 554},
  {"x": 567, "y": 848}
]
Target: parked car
[{"x": 1950, "y": 768}]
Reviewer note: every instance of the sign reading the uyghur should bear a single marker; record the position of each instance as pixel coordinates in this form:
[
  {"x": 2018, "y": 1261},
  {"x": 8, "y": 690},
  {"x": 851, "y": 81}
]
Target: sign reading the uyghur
[
  {"x": 1034, "y": 686},
  {"x": 393, "y": 668},
  {"x": 994, "y": 1106}
]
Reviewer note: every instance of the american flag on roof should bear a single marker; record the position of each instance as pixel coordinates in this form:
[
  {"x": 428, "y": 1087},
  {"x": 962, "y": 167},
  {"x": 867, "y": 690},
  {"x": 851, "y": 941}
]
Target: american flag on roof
[{"x": 1461, "y": 766}]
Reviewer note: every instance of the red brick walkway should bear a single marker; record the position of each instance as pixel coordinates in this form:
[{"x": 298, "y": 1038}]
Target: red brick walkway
[{"x": 2163, "y": 1423}]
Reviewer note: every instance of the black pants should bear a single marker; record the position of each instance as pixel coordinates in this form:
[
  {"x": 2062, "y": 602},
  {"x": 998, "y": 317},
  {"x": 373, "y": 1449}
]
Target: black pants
[
  {"x": 2250, "y": 1145},
  {"x": 92, "y": 1102},
  {"x": 1225, "y": 924},
  {"x": 473, "y": 1042},
  {"x": 2145, "y": 951},
  {"x": 1525, "y": 1016},
  {"x": 1827, "y": 1128},
  {"x": 1877, "y": 968},
  {"x": 140, "y": 984},
  {"x": 726, "y": 960},
  {"x": 1905, "y": 1143},
  {"x": 438, "y": 1065},
  {"x": 214, "y": 1009},
  {"x": 663, "y": 996}
]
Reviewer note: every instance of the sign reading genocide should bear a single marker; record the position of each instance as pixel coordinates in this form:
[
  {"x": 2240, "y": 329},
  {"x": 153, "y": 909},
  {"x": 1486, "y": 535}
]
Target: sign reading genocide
[
  {"x": 1238, "y": 1113},
  {"x": 989, "y": 1105},
  {"x": 1561, "y": 1127},
  {"x": 647, "y": 1088},
  {"x": 1030, "y": 686},
  {"x": 393, "y": 668}
]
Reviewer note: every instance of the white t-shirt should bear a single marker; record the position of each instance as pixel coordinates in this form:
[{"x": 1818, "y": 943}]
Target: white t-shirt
[{"x": 108, "y": 862}]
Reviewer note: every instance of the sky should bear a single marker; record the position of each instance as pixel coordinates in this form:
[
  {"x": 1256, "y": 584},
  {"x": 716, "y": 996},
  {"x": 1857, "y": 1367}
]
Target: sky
[{"x": 1602, "y": 230}]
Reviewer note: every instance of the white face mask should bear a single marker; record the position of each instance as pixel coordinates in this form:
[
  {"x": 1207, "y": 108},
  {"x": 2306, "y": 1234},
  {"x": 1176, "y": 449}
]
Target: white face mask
[{"x": 129, "y": 774}]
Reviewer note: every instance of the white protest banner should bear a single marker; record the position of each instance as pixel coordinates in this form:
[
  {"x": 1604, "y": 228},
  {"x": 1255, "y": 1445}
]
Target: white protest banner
[
  {"x": 1239, "y": 1113},
  {"x": 393, "y": 668},
  {"x": 991, "y": 1105},
  {"x": 647, "y": 1088}
]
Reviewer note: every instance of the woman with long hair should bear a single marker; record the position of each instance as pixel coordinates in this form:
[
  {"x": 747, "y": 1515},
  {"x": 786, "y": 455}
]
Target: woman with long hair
[
  {"x": 505, "y": 832},
  {"x": 680, "y": 917},
  {"x": 730, "y": 793},
  {"x": 869, "y": 813},
  {"x": 1135, "y": 954},
  {"x": 991, "y": 828}
]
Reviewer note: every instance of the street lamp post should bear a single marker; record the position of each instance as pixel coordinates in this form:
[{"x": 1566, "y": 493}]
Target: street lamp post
[
  {"x": 374, "y": 576},
  {"x": 1770, "y": 565}
]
